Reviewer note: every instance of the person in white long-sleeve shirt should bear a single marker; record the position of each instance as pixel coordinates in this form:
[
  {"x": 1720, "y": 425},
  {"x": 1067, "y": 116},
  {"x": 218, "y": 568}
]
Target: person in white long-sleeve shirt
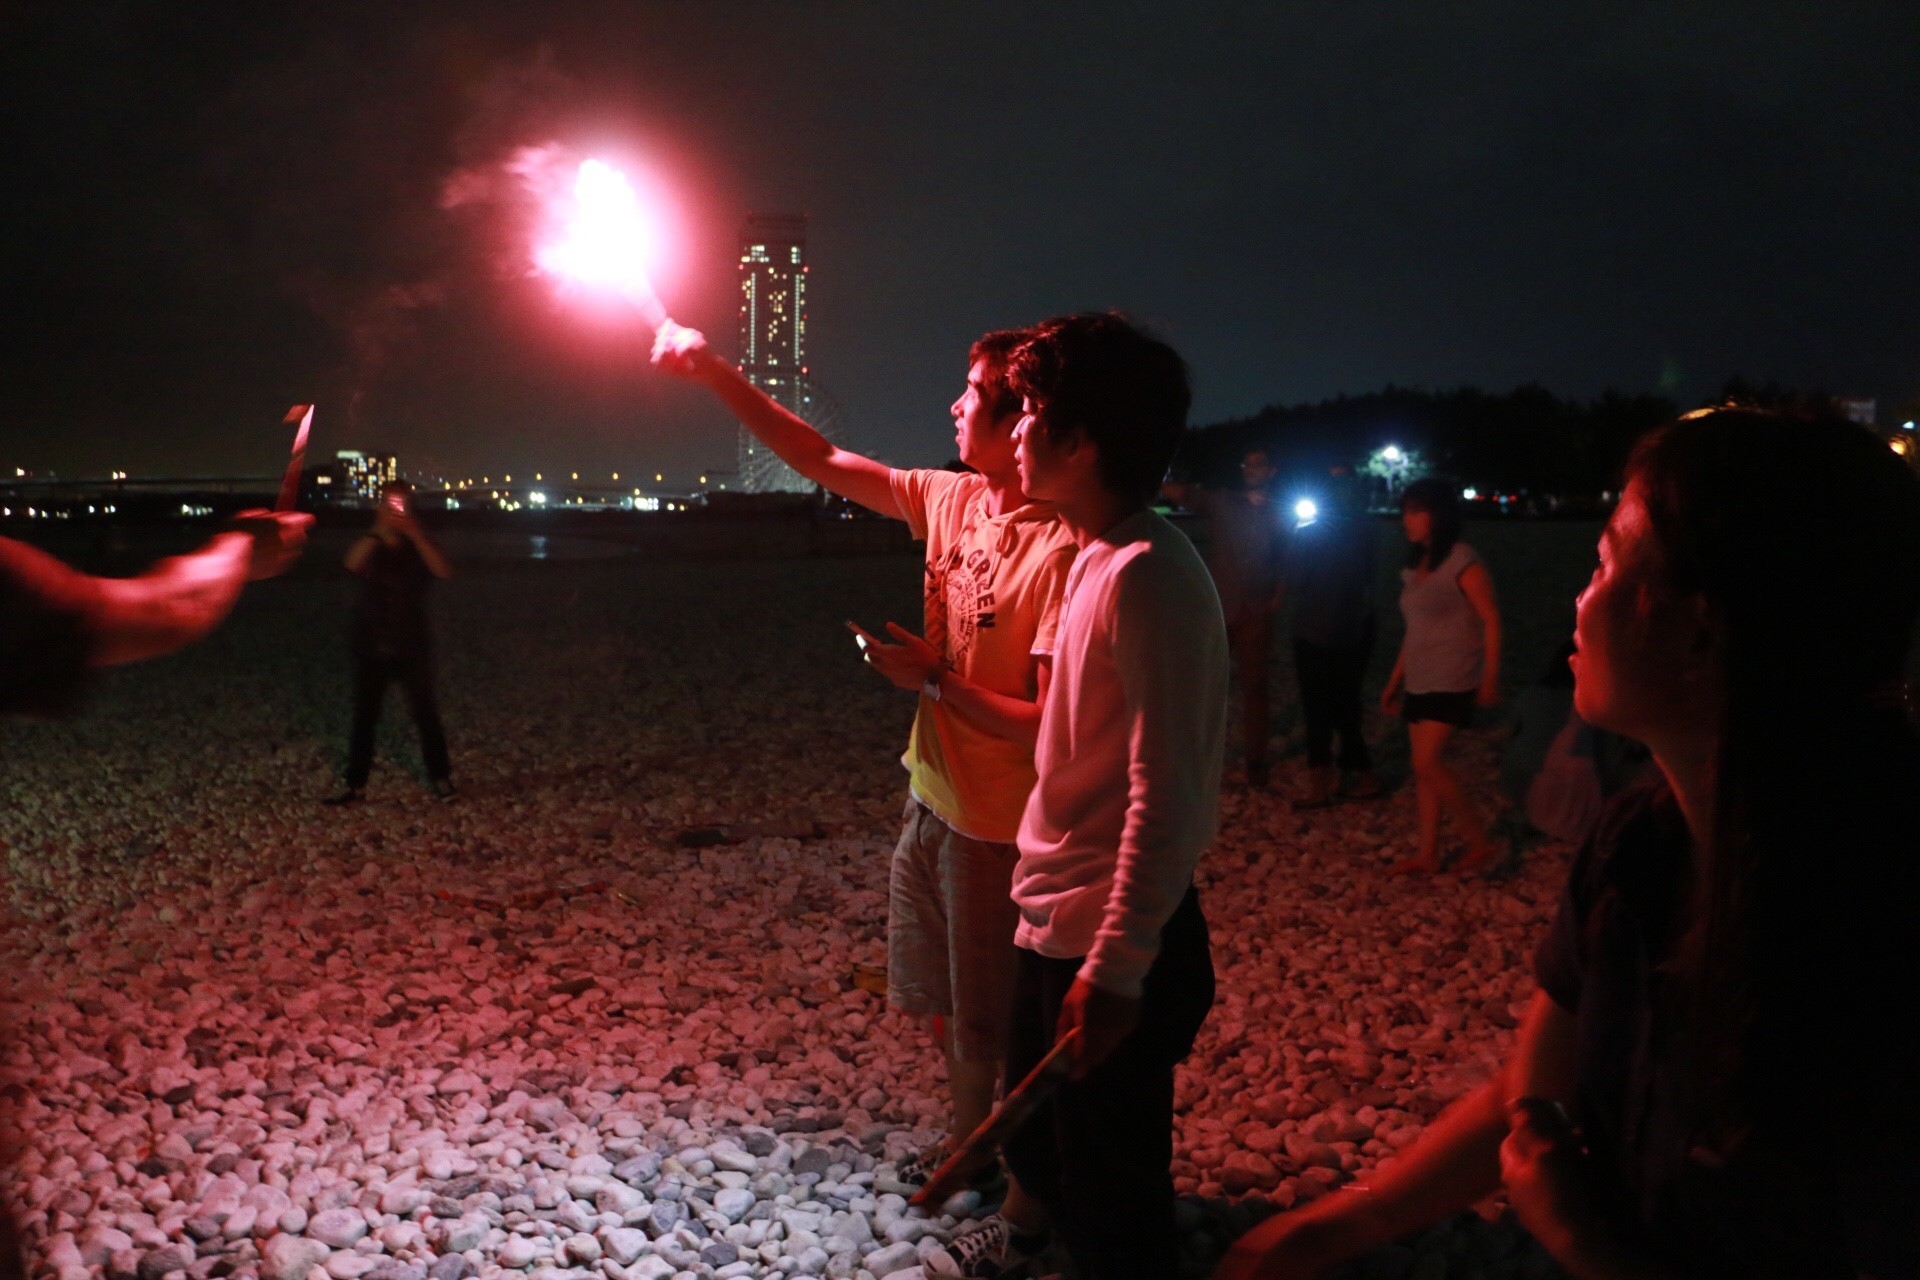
[{"x": 1111, "y": 939}]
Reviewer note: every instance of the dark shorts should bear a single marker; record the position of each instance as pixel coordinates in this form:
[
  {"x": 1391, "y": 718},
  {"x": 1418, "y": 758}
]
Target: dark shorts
[{"x": 1455, "y": 709}]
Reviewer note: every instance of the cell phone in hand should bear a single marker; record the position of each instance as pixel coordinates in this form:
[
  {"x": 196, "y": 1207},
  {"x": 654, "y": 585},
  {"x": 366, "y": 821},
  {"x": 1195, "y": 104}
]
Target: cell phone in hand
[{"x": 862, "y": 638}]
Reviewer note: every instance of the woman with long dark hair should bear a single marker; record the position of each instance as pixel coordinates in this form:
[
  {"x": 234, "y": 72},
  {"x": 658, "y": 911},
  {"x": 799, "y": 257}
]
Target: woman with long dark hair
[
  {"x": 1715, "y": 1075},
  {"x": 1449, "y": 664}
]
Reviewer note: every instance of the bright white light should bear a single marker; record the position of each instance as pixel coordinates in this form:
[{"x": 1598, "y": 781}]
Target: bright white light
[
  {"x": 1306, "y": 510},
  {"x": 1469, "y": 494},
  {"x": 537, "y": 499},
  {"x": 1907, "y": 426},
  {"x": 606, "y": 239},
  {"x": 1391, "y": 453}
]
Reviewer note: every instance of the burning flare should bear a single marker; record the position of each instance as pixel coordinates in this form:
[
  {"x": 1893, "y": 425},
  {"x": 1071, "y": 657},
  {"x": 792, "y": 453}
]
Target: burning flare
[{"x": 605, "y": 239}]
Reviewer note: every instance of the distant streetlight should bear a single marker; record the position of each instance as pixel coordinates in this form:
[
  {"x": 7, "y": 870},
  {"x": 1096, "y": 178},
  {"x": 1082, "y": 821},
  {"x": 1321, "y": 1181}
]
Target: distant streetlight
[
  {"x": 1391, "y": 454},
  {"x": 1306, "y": 511}
]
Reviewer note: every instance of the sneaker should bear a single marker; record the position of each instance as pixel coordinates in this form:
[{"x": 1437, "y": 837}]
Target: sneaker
[
  {"x": 991, "y": 1251},
  {"x": 352, "y": 795},
  {"x": 916, "y": 1170},
  {"x": 442, "y": 788}
]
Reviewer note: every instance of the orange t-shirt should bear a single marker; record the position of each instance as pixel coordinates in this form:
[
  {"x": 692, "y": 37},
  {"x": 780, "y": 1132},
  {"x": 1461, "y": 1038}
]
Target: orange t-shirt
[{"x": 993, "y": 587}]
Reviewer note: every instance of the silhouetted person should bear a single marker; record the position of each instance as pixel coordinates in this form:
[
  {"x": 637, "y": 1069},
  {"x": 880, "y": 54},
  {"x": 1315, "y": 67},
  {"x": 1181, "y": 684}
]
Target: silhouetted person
[
  {"x": 392, "y": 641},
  {"x": 1244, "y": 548},
  {"x": 1715, "y": 1076},
  {"x": 1329, "y": 568}
]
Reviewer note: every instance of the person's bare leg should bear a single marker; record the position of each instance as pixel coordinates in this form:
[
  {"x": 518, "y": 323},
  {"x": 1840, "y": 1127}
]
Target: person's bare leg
[
  {"x": 1428, "y": 739},
  {"x": 1467, "y": 817},
  {"x": 972, "y": 1085},
  {"x": 1022, "y": 1212}
]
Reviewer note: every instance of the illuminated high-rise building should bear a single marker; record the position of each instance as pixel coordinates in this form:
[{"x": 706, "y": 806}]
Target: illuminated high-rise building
[
  {"x": 364, "y": 473},
  {"x": 773, "y": 338}
]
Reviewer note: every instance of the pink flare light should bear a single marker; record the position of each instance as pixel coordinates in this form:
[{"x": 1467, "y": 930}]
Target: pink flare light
[{"x": 605, "y": 239}]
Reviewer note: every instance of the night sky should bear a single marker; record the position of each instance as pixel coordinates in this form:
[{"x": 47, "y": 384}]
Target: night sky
[{"x": 215, "y": 210}]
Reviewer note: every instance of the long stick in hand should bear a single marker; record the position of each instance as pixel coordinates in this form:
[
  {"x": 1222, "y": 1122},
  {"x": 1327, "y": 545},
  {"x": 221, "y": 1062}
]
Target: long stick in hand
[
  {"x": 1015, "y": 1110},
  {"x": 301, "y": 418}
]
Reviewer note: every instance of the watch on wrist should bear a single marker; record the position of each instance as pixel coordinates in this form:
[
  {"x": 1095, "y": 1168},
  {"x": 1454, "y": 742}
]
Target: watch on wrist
[{"x": 932, "y": 686}]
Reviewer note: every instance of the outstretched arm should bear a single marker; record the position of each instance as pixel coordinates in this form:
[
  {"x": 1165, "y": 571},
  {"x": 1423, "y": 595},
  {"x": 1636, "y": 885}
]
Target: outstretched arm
[
  {"x": 1455, "y": 1162},
  {"x": 684, "y": 351},
  {"x": 179, "y": 600}
]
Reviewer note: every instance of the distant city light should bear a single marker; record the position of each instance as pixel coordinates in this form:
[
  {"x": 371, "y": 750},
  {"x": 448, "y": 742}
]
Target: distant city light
[
  {"x": 537, "y": 498},
  {"x": 1306, "y": 511},
  {"x": 658, "y": 477},
  {"x": 1907, "y": 425},
  {"x": 616, "y": 475},
  {"x": 1469, "y": 494},
  {"x": 1391, "y": 453},
  {"x": 576, "y": 475},
  {"x": 703, "y": 479}
]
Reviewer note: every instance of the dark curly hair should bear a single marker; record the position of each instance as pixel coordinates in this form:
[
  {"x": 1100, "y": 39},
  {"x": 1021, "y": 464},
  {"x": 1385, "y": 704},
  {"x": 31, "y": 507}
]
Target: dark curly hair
[{"x": 1100, "y": 374}]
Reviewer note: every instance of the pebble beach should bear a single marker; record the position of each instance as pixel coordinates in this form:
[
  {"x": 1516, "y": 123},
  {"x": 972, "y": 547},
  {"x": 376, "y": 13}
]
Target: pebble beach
[{"x": 605, "y": 1014}]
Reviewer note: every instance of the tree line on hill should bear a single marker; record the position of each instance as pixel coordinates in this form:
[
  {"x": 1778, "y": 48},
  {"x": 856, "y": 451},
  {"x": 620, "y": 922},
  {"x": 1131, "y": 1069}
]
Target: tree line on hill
[{"x": 1526, "y": 441}]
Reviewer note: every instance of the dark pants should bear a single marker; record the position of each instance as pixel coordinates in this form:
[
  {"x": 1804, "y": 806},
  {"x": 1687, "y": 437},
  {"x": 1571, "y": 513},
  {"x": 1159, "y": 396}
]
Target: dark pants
[
  {"x": 1329, "y": 682},
  {"x": 1250, "y": 636},
  {"x": 372, "y": 671},
  {"x": 1099, "y": 1154}
]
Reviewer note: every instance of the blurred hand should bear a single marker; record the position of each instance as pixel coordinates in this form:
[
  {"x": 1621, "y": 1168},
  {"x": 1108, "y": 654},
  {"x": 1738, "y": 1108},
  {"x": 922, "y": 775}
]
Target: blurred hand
[
  {"x": 1103, "y": 1020},
  {"x": 278, "y": 537},
  {"x": 1289, "y": 1246},
  {"x": 680, "y": 350},
  {"x": 1542, "y": 1165}
]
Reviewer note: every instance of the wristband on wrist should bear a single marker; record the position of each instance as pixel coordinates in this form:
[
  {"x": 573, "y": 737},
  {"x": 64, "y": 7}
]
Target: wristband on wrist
[{"x": 932, "y": 686}]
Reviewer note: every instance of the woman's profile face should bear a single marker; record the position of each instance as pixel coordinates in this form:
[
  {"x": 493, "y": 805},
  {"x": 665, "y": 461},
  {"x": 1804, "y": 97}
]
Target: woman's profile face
[{"x": 1640, "y": 665}]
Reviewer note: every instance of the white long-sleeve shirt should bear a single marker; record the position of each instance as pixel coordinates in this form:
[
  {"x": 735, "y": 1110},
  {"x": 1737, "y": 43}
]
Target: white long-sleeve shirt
[{"x": 1129, "y": 754}]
